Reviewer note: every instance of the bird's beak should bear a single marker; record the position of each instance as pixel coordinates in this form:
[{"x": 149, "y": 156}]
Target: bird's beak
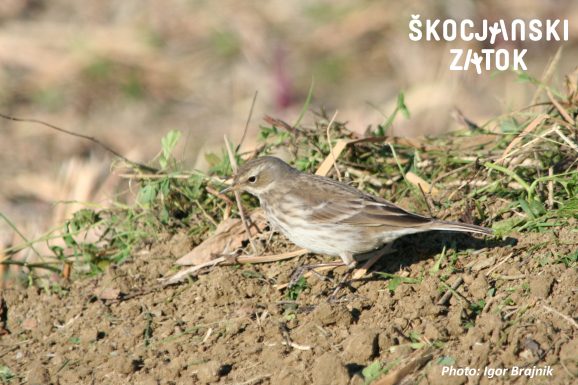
[
  {"x": 226, "y": 190},
  {"x": 232, "y": 187}
]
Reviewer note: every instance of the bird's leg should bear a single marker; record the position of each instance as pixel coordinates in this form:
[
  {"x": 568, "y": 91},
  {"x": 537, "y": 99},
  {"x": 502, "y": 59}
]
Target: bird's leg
[
  {"x": 350, "y": 263},
  {"x": 270, "y": 237},
  {"x": 348, "y": 260},
  {"x": 372, "y": 257},
  {"x": 384, "y": 250},
  {"x": 342, "y": 283},
  {"x": 298, "y": 272}
]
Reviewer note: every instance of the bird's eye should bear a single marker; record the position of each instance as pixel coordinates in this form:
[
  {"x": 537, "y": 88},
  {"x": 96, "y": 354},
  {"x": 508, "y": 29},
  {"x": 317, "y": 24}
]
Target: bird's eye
[{"x": 252, "y": 179}]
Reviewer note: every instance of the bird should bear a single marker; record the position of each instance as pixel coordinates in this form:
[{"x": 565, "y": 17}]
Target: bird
[{"x": 326, "y": 216}]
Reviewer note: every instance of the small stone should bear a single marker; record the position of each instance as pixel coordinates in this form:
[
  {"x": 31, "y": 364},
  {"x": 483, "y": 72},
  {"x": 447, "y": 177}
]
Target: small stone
[
  {"x": 88, "y": 335},
  {"x": 431, "y": 332},
  {"x": 209, "y": 372},
  {"x": 479, "y": 287},
  {"x": 360, "y": 347},
  {"x": 454, "y": 321},
  {"x": 124, "y": 365},
  {"x": 38, "y": 374},
  {"x": 541, "y": 286},
  {"x": 467, "y": 278},
  {"x": 329, "y": 315},
  {"x": 288, "y": 377},
  {"x": 329, "y": 370},
  {"x": 483, "y": 264}
]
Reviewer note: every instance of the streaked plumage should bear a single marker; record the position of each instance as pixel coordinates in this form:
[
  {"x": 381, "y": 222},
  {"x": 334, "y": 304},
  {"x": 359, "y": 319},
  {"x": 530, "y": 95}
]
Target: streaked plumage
[{"x": 329, "y": 217}]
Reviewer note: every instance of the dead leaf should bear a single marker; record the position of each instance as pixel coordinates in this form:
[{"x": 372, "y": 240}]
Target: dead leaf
[
  {"x": 416, "y": 180},
  {"x": 329, "y": 160},
  {"x": 228, "y": 237},
  {"x": 194, "y": 270}
]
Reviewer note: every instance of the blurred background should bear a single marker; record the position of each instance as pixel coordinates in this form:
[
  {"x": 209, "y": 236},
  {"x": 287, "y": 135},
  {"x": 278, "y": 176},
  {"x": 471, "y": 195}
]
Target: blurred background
[{"x": 127, "y": 72}]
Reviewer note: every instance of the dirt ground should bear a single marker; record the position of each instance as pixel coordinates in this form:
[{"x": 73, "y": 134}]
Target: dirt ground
[
  {"x": 234, "y": 325},
  {"x": 128, "y": 72}
]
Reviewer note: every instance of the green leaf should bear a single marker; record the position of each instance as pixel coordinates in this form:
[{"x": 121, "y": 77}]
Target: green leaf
[
  {"x": 371, "y": 372},
  {"x": 437, "y": 265},
  {"x": 509, "y": 126},
  {"x": 147, "y": 194},
  {"x": 83, "y": 218},
  {"x": 164, "y": 215},
  {"x": 505, "y": 226},
  {"x": 212, "y": 159},
  {"x": 511, "y": 174},
  {"x": 401, "y": 105},
  {"x": 74, "y": 340},
  {"x": 6, "y": 374},
  {"x": 393, "y": 283},
  {"x": 168, "y": 143},
  {"x": 526, "y": 207},
  {"x": 306, "y": 104},
  {"x": 69, "y": 240},
  {"x": 295, "y": 290},
  {"x": 165, "y": 186},
  {"x": 58, "y": 252},
  {"x": 477, "y": 307},
  {"x": 396, "y": 280},
  {"x": 569, "y": 207},
  {"x": 524, "y": 77},
  {"x": 446, "y": 361},
  {"x": 414, "y": 336}
]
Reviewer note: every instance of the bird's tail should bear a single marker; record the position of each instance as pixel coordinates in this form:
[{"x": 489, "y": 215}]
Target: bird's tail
[{"x": 457, "y": 226}]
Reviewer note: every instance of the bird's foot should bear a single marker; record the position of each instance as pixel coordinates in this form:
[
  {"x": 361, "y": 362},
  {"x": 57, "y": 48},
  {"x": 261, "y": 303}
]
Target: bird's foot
[
  {"x": 301, "y": 270},
  {"x": 342, "y": 284}
]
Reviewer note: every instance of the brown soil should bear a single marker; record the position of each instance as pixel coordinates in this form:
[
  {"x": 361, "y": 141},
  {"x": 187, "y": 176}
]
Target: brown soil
[{"x": 234, "y": 326}]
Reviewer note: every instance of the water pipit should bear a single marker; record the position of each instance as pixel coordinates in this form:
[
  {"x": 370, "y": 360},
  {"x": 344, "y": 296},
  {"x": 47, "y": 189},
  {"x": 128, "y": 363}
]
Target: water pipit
[{"x": 329, "y": 217}]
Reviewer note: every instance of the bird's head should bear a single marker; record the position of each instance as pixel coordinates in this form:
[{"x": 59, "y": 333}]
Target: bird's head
[{"x": 260, "y": 175}]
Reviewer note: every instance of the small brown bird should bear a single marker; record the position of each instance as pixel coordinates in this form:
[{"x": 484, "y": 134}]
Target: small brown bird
[{"x": 329, "y": 217}]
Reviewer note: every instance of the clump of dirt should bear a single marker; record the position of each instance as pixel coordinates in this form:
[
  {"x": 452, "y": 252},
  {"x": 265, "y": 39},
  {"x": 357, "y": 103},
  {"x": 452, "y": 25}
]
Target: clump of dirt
[{"x": 514, "y": 307}]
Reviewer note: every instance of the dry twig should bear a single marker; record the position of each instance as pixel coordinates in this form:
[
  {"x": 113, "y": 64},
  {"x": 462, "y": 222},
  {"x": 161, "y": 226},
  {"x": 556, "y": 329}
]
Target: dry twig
[
  {"x": 568, "y": 319},
  {"x": 529, "y": 128},
  {"x": 238, "y": 196},
  {"x": 89, "y": 138},
  {"x": 247, "y": 122},
  {"x": 451, "y": 290},
  {"x": 331, "y": 147},
  {"x": 499, "y": 264},
  {"x": 568, "y": 141},
  {"x": 560, "y": 109}
]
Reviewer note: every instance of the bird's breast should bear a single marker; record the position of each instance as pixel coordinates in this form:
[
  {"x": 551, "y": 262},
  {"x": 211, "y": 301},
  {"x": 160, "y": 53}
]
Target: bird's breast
[{"x": 323, "y": 238}]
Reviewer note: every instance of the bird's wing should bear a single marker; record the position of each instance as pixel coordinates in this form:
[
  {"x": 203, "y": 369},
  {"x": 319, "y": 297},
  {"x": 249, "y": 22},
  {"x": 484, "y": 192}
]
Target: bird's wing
[{"x": 331, "y": 201}]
